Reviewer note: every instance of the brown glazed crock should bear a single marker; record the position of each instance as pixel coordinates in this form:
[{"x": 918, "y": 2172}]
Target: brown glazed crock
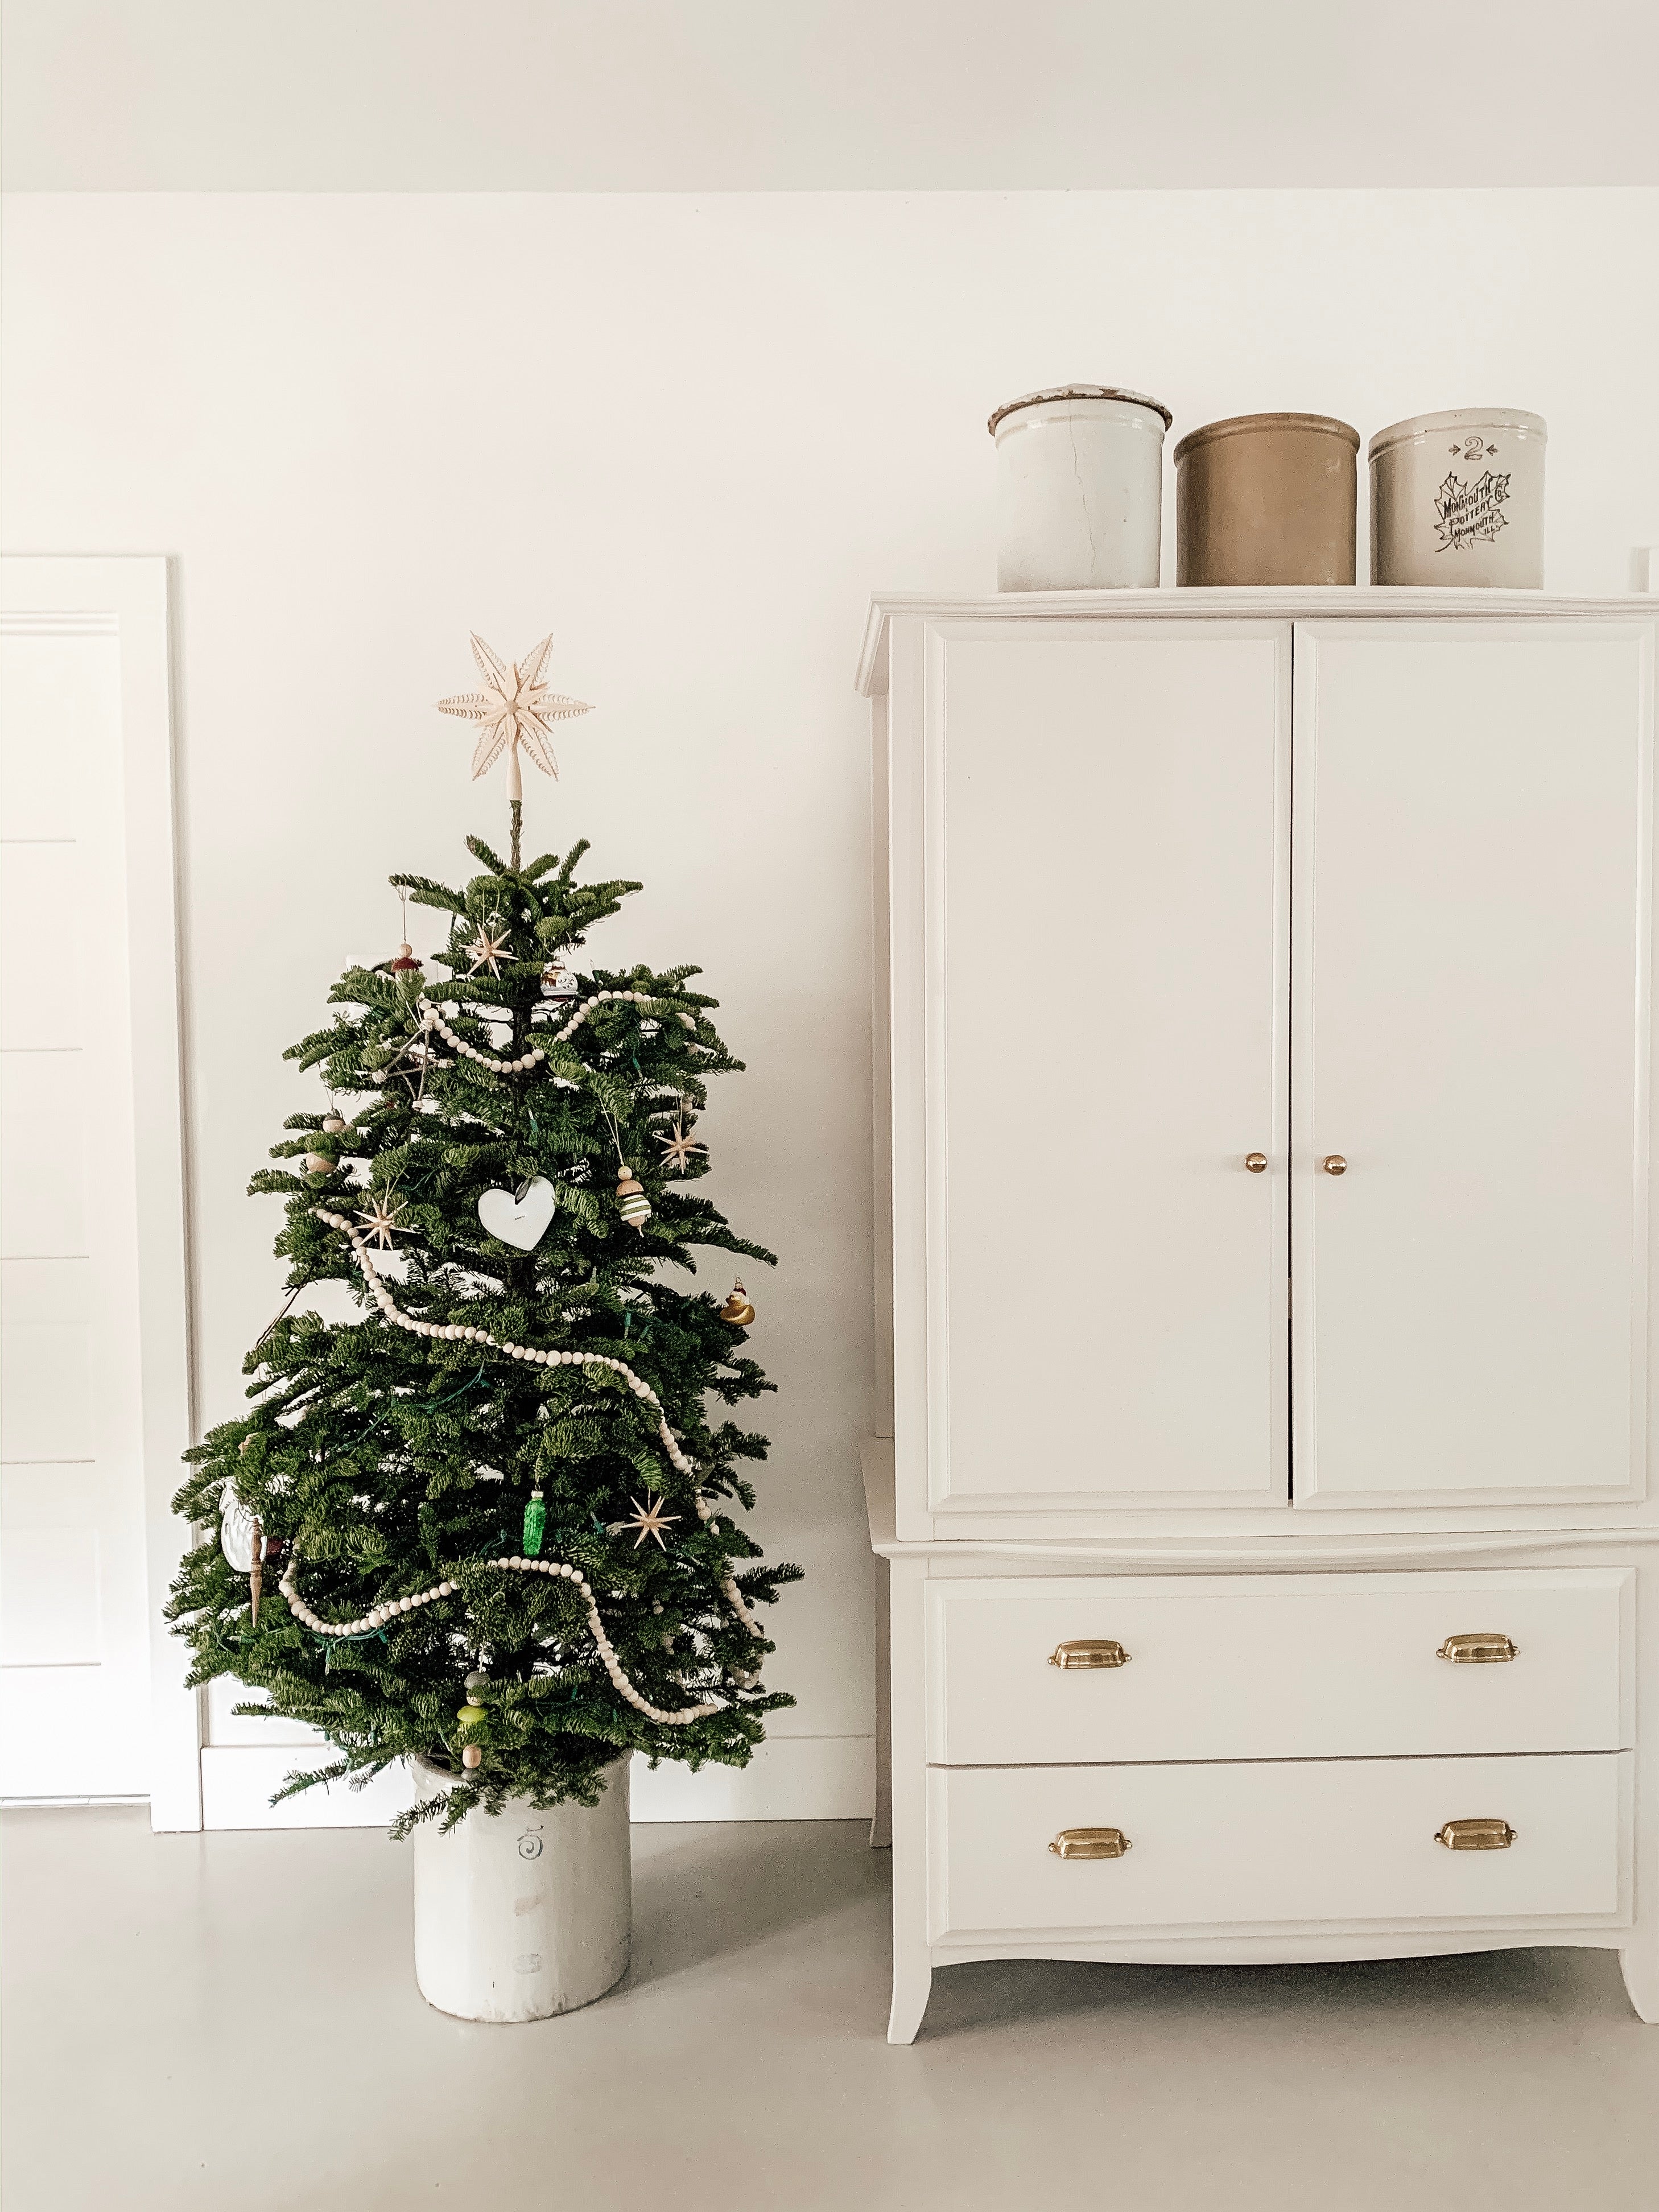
[{"x": 1267, "y": 499}]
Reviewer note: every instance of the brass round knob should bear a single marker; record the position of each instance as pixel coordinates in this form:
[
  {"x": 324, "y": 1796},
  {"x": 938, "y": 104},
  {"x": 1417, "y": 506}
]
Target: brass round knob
[
  {"x": 1334, "y": 1164},
  {"x": 1256, "y": 1162}
]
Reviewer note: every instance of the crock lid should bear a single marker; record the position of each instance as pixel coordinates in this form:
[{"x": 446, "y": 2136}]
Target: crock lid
[
  {"x": 1079, "y": 391},
  {"x": 1326, "y": 425},
  {"x": 1460, "y": 419}
]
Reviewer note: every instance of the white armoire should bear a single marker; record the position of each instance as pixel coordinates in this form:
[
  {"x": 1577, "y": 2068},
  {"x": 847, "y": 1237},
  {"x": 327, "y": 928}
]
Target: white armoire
[{"x": 1264, "y": 1104}]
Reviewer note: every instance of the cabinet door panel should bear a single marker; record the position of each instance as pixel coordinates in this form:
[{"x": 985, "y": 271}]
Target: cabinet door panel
[
  {"x": 1472, "y": 824},
  {"x": 1107, "y": 906}
]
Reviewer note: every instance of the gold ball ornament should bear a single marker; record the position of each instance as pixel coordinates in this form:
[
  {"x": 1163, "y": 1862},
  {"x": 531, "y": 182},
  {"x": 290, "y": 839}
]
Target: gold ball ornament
[
  {"x": 470, "y": 1755},
  {"x": 737, "y": 1309},
  {"x": 631, "y": 1201}
]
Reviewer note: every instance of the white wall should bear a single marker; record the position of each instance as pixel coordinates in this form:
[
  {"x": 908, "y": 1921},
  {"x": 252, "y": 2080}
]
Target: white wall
[
  {"x": 792, "y": 96},
  {"x": 691, "y": 435}
]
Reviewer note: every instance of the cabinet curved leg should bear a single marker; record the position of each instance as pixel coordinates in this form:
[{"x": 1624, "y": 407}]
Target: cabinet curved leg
[
  {"x": 1640, "y": 1967},
  {"x": 912, "y": 1978}
]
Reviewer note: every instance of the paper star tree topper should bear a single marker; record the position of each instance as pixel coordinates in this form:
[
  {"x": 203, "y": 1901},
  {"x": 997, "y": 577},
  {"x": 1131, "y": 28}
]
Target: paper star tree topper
[{"x": 515, "y": 707}]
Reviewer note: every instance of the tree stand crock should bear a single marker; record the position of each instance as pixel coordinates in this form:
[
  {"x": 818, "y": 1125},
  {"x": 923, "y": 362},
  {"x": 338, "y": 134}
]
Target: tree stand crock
[{"x": 524, "y": 1914}]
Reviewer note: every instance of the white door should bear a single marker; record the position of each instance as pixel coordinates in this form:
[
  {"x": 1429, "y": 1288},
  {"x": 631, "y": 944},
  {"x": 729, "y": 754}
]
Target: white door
[
  {"x": 1100, "y": 856},
  {"x": 93, "y": 1411},
  {"x": 1473, "y": 929}
]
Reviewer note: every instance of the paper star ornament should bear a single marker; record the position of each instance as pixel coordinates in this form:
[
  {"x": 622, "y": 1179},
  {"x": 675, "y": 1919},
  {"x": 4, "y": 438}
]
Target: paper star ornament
[{"x": 515, "y": 707}]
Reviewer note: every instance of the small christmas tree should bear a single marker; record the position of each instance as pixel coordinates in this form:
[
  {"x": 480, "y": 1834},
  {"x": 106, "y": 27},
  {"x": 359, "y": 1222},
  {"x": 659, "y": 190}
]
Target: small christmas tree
[{"x": 497, "y": 1514}]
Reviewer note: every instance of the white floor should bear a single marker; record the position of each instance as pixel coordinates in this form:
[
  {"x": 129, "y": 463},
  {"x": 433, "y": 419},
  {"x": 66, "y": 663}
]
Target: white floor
[{"x": 231, "y": 2021}]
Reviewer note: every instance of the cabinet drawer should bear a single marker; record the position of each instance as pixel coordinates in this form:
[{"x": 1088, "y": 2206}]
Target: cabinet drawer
[
  {"x": 1277, "y": 1666},
  {"x": 1285, "y": 1844}
]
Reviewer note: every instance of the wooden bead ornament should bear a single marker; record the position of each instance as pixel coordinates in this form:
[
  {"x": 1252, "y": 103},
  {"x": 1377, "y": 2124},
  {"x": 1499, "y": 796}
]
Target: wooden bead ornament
[
  {"x": 631, "y": 1201},
  {"x": 469, "y": 1716},
  {"x": 737, "y": 1309},
  {"x": 405, "y": 959}
]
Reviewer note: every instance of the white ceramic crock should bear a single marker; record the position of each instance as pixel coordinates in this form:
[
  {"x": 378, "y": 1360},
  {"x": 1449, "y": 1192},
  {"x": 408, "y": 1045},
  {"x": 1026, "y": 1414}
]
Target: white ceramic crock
[
  {"x": 527, "y": 1914},
  {"x": 1079, "y": 489},
  {"x": 1458, "y": 499}
]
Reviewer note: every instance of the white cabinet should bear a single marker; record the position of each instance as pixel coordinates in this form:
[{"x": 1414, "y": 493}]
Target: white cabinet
[{"x": 1263, "y": 1114}]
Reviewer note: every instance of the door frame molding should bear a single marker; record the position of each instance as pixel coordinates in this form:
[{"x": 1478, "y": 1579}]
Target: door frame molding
[{"x": 129, "y": 595}]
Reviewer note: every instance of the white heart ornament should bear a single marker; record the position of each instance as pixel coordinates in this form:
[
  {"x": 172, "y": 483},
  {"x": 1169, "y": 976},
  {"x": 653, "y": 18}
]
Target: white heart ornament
[{"x": 522, "y": 1220}]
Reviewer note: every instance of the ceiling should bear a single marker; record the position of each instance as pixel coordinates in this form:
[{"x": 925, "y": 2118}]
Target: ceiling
[{"x": 756, "y": 96}]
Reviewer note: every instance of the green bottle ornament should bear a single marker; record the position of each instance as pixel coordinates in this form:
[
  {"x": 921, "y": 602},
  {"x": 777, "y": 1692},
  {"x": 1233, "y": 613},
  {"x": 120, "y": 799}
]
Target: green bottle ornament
[{"x": 535, "y": 1525}]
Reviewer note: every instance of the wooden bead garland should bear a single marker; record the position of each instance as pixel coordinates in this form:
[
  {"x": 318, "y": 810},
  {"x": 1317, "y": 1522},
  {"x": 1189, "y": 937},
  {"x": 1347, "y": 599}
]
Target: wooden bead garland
[
  {"x": 453, "y": 1332},
  {"x": 378, "y": 1615},
  {"x": 432, "y": 1019}
]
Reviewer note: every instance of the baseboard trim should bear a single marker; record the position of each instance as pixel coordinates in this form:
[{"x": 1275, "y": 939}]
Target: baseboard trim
[
  {"x": 239, "y": 1780},
  {"x": 799, "y": 1778},
  {"x": 58, "y": 1804},
  {"x": 791, "y": 1778}
]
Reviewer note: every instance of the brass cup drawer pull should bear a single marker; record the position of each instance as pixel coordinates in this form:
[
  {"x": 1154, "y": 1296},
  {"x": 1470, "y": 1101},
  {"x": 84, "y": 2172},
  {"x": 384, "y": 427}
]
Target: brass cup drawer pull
[
  {"x": 1090, "y": 1844},
  {"x": 1482, "y": 1647},
  {"x": 1088, "y": 1651},
  {"x": 1475, "y": 1835}
]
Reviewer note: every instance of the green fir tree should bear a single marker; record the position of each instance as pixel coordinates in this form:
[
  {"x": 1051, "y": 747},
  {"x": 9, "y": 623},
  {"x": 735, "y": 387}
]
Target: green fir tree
[{"x": 383, "y": 1462}]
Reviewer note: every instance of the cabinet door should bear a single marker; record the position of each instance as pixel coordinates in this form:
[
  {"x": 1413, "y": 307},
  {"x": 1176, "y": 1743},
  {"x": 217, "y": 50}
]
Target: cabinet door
[
  {"x": 1090, "y": 840},
  {"x": 1472, "y": 825}
]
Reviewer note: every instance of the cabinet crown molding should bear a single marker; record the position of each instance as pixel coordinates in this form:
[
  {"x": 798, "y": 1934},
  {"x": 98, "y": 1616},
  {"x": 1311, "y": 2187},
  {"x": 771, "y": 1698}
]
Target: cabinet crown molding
[{"x": 1237, "y": 602}]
